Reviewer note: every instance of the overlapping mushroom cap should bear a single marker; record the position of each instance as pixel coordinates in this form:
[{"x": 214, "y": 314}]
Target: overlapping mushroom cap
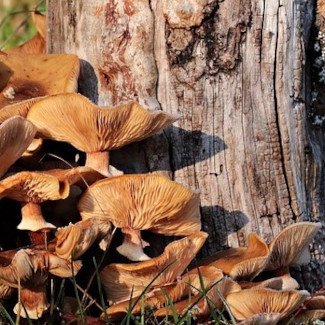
[
  {"x": 73, "y": 118},
  {"x": 242, "y": 263},
  {"x": 120, "y": 280},
  {"x": 16, "y": 134},
  {"x": 247, "y": 303},
  {"x": 31, "y": 189},
  {"x": 290, "y": 246},
  {"x": 24, "y": 76},
  {"x": 140, "y": 202}
]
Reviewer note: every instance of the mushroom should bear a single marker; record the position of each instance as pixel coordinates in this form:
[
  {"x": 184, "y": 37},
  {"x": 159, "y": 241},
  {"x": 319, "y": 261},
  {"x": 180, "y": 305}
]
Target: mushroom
[
  {"x": 122, "y": 280},
  {"x": 74, "y": 240},
  {"x": 74, "y": 119},
  {"x": 242, "y": 263},
  {"x": 142, "y": 202},
  {"x": 174, "y": 292},
  {"x": 203, "y": 300},
  {"x": 290, "y": 246},
  {"x": 27, "y": 270},
  {"x": 25, "y": 76},
  {"x": 32, "y": 189},
  {"x": 247, "y": 303},
  {"x": 35, "y": 45},
  {"x": 16, "y": 134}
]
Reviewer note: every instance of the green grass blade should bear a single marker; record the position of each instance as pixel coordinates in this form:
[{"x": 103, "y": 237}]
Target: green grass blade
[
  {"x": 6, "y": 314},
  {"x": 127, "y": 317},
  {"x": 100, "y": 291}
]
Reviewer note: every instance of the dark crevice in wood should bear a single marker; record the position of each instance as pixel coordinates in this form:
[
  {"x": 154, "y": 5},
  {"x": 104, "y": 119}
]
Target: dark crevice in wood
[{"x": 276, "y": 110}]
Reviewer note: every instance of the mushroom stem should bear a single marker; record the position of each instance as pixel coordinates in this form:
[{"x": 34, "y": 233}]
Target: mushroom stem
[
  {"x": 132, "y": 246},
  {"x": 98, "y": 161},
  {"x": 34, "y": 300},
  {"x": 32, "y": 220}
]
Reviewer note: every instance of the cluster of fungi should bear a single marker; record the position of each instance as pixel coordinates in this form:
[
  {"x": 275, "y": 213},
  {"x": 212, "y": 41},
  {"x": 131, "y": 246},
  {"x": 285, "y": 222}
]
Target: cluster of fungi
[{"x": 39, "y": 103}]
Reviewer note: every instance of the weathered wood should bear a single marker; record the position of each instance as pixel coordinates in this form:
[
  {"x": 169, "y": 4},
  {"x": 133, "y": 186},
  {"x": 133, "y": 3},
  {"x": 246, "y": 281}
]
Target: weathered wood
[{"x": 238, "y": 74}]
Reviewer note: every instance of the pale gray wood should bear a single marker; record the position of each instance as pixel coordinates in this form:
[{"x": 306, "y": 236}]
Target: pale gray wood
[{"x": 236, "y": 72}]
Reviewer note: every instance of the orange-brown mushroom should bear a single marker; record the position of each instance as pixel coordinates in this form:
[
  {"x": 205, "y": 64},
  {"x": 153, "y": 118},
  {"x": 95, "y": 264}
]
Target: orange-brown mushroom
[
  {"x": 242, "y": 263},
  {"x": 24, "y": 76},
  {"x": 16, "y": 134},
  {"x": 31, "y": 189},
  {"x": 142, "y": 202},
  {"x": 74, "y": 119},
  {"x": 247, "y": 303},
  {"x": 120, "y": 280}
]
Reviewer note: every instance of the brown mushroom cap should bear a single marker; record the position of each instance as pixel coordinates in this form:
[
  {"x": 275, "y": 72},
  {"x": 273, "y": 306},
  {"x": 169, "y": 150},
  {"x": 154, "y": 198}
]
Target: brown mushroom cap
[
  {"x": 74, "y": 119},
  {"x": 80, "y": 176},
  {"x": 120, "y": 280},
  {"x": 20, "y": 108},
  {"x": 33, "y": 187},
  {"x": 143, "y": 201},
  {"x": 26, "y": 76},
  {"x": 140, "y": 202},
  {"x": 74, "y": 239},
  {"x": 290, "y": 246},
  {"x": 246, "y": 303},
  {"x": 305, "y": 317},
  {"x": 242, "y": 262},
  {"x": 16, "y": 134}
]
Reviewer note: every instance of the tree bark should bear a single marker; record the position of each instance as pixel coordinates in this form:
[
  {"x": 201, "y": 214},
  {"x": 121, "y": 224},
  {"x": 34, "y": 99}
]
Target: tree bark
[{"x": 238, "y": 73}]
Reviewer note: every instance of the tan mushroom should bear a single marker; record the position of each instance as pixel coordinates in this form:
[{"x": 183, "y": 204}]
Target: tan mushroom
[
  {"x": 28, "y": 271},
  {"x": 74, "y": 240},
  {"x": 32, "y": 189},
  {"x": 247, "y": 303},
  {"x": 290, "y": 246},
  {"x": 74, "y": 119},
  {"x": 120, "y": 280},
  {"x": 24, "y": 76},
  {"x": 142, "y": 202},
  {"x": 242, "y": 263},
  {"x": 16, "y": 134},
  {"x": 200, "y": 304}
]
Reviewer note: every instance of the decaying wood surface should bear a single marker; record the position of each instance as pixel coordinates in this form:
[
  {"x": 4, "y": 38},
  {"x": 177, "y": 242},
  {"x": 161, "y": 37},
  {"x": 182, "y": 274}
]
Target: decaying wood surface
[{"x": 238, "y": 73}]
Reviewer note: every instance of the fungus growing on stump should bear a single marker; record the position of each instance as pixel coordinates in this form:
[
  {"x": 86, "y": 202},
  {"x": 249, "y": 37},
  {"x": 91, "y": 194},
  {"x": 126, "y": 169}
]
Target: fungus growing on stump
[
  {"x": 28, "y": 270},
  {"x": 142, "y": 202},
  {"x": 32, "y": 189},
  {"x": 122, "y": 280},
  {"x": 242, "y": 263},
  {"x": 16, "y": 134},
  {"x": 247, "y": 303},
  {"x": 74, "y": 119},
  {"x": 24, "y": 76}
]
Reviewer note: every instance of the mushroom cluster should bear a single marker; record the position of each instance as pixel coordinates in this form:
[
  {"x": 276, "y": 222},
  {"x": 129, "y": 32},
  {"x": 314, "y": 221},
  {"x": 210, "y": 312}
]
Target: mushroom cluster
[{"x": 97, "y": 205}]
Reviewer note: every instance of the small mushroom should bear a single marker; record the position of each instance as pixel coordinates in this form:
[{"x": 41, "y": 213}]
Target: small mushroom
[
  {"x": 242, "y": 263},
  {"x": 120, "y": 280},
  {"x": 247, "y": 303},
  {"x": 142, "y": 202},
  {"x": 16, "y": 134},
  {"x": 290, "y": 246},
  {"x": 32, "y": 189},
  {"x": 74, "y": 119},
  {"x": 199, "y": 305},
  {"x": 74, "y": 240},
  {"x": 24, "y": 76}
]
